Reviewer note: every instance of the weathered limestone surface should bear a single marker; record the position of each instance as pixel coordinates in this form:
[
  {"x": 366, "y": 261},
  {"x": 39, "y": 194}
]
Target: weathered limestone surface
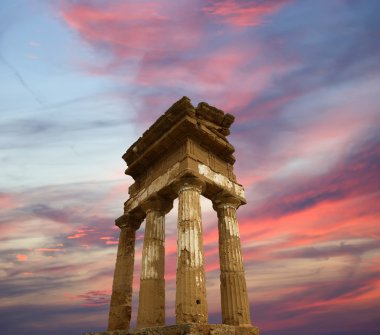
[
  {"x": 151, "y": 310},
  {"x": 191, "y": 302},
  {"x": 187, "y": 329},
  {"x": 121, "y": 299},
  {"x": 235, "y": 306}
]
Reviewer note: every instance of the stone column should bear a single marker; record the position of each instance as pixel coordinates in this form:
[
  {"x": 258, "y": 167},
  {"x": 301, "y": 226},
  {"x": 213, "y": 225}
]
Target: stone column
[
  {"x": 121, "y": 299},
  {"x": 233, "y": 287},
  {"x": 151, "y": 310},
  {"x": 191, "y": 302}
]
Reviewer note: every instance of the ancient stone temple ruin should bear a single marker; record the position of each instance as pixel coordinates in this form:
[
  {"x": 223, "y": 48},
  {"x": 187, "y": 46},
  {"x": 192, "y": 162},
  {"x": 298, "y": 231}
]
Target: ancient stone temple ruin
[{"x": 184, "y": 154}]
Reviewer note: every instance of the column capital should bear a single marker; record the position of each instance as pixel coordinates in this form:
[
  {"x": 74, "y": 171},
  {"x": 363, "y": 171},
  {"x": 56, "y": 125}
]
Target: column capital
[
  {"x": 189, "y": 182},
  {"x": 128, "y": 221},
  {"x": 223, "y": 200},
  {"x": 157, "y": 203}
]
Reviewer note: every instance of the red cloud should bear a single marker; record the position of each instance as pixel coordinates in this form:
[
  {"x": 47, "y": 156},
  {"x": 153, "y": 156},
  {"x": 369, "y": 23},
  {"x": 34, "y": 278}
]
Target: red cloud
[{"x": 244, "y": 13}]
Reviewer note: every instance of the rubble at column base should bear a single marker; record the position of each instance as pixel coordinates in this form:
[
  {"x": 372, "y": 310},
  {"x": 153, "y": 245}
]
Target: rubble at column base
[{"x": 187, "y": 329}]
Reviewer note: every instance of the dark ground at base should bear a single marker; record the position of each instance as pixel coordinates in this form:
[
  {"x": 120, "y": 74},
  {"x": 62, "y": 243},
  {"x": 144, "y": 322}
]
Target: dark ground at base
[{"x": 186, "y": 329}]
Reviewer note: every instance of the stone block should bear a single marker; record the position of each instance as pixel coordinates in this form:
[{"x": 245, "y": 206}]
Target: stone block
[{"x": 187, "y": 329}]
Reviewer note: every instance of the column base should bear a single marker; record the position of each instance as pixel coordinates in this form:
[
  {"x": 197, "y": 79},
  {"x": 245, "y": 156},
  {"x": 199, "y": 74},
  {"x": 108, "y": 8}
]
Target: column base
[{"x": 187, "y": 329}]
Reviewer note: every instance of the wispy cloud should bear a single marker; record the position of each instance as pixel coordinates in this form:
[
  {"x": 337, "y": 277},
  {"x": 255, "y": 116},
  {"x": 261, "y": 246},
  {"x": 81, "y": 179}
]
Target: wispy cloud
[
  {"x": 21, "y": 80},
  {"x": 244, "y": 13}
]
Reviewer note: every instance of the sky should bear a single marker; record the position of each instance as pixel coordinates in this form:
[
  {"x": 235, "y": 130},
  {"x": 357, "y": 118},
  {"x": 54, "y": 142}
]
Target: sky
[{"x": 82, "y": 79}]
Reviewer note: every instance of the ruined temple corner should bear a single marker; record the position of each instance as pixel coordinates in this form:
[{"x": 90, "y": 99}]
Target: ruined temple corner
[{"x": 184, "y": 155}]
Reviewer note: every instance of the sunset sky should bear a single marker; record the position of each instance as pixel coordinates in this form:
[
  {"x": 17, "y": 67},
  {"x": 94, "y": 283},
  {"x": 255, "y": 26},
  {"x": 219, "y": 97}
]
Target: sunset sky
[{"x": 82, "y": 79}]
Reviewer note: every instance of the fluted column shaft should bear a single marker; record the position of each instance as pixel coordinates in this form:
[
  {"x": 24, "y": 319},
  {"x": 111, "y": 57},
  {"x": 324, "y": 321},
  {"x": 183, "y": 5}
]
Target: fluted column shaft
[
  {"x": 191, "y": 302},
  {"x": 151, "y": 310},
  {"x": 233, "y": 287},
  {"x": 121, "y": 299}
]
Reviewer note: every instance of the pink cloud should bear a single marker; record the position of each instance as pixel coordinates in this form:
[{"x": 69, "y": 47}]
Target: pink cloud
[
  {"x": 78, "y": 235},
  {"x": 230, "y": 78},
  {"x": 244, "y": 13},
  {"x": 48, "y": 249},
  {"x": 6, "y": 201},
  {"x": 216, "y": 67},
  {"x": 21, "y": 257},
  {"x": 159, "y": 37},
  {"x": 353, "y": 176},
  {"x": 329, "y": 222},
  {"x": 313, "y": 299},
  {"x": 130, "y": 29},
  {"x": 95, "y": 233},
  {"x": 166, "y": 45},
  {"x": 95, "y": 298}
]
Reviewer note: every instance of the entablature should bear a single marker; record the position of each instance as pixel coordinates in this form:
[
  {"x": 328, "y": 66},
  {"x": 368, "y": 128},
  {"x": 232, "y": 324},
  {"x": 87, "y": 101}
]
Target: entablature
[{"x": 206, "y": 125}]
